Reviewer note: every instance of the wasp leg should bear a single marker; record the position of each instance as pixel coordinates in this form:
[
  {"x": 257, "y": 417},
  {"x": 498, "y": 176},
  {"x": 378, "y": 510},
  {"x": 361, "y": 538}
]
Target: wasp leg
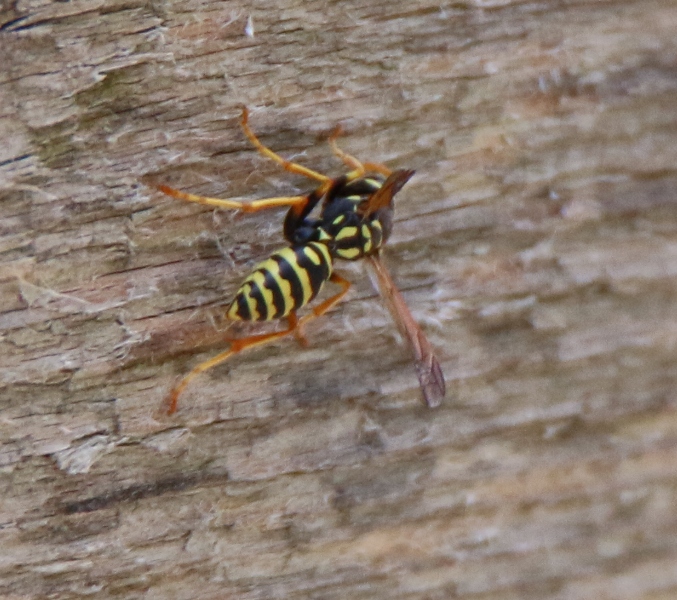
[
  {"x": 235, "y": 346},
  {"x": 295, "y": 326},
  {"x": 322, "y": 308},
  {"x": 268, "y": 153},
  {"x": 358, "y": 168},
  {"x": 248, "y": 207},
  {"x": 348, "y": 160}
]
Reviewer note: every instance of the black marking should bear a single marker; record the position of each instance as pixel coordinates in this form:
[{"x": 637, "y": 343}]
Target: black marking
[
  {"x": 288, "y": 271},
  {"x": 278, "y": 297},
  {"x": 261, "y": 306},
  {"x": 317, "y": 274},
  {"x": 242, "y": 307}
]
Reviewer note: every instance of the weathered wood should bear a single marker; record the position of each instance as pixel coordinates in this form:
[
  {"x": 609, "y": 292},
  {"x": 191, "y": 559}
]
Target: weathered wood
[{"x": 537, "y": 245}]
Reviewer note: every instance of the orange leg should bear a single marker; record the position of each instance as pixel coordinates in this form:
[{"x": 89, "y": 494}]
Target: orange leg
[
  {"x": 235, "y": 347},
  {"x": 248, "y": 207},
  {"x": 295, "y": 326},
  {"x": 358, "y": 168},
  {"x": 322, "y": 308},
  {"x": 268, "y": 153}
]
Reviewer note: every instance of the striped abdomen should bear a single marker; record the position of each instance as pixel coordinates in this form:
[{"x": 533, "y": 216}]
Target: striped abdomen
[{"x": 285, "y": 282}]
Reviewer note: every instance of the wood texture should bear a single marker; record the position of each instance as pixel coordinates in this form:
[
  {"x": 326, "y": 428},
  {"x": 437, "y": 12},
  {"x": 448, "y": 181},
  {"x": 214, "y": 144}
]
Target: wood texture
[{"x": 537, "y": 245}]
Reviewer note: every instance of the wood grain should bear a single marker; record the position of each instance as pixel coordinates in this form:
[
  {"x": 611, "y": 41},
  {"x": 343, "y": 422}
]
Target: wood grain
[{"x": 537, "y": 246}]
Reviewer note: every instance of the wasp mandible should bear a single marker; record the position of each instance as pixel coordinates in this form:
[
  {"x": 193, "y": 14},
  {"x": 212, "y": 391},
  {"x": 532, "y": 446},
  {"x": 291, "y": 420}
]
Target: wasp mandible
[{"x": 355, "y": 221}]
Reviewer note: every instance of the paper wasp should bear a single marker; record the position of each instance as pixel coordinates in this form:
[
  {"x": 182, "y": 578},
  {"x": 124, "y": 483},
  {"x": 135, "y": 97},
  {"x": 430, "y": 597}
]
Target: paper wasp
[{"x": 355, "y": 220}]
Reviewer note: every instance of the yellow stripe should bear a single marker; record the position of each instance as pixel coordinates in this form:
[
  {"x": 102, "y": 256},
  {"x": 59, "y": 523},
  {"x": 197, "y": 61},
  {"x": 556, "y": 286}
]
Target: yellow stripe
[
  {"x": 244, "y": 291},
  {"x": 338, "y": 220},
  {"x": 366, "y": 234},
  {"x": 251, "y": 303},
  {"x": 257, "y": 280},
  {"x": 348, "y": 253},
  {"x": 302, "y": 274},
  {"x": 346, "y": 232},
  {"x": 232, "y": 312},
  {"x": 311, "y": 253},
  {"x": 285, "y": 287},
  {"x": 324, "y": 250},
  {"x": 289, "y": 255}
]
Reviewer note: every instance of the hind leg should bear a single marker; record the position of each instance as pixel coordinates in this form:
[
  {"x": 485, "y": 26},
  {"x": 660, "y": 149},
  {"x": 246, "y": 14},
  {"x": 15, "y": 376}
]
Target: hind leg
[{"x": 236, "y": 346}]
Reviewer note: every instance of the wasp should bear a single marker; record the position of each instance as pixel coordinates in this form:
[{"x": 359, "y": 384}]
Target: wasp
[{"x": 354, "y": 222}]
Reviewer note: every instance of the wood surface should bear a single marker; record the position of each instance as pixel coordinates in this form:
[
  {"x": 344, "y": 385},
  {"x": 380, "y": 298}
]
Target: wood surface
[{"x": 536, "y": 245}]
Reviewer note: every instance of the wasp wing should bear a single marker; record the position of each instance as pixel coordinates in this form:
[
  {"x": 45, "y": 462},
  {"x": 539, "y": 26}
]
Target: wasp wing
[
  {"x": 428, "y": 368},
  {"x": 382, "y": 197}
]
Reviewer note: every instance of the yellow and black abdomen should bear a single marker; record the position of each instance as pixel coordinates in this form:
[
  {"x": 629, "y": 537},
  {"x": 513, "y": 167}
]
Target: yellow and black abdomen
[{"x": 283, "y": 283}]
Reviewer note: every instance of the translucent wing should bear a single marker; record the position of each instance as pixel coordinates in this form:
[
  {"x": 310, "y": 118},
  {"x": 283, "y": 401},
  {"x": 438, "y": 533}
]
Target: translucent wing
[{"x": 428, "y": 369}]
